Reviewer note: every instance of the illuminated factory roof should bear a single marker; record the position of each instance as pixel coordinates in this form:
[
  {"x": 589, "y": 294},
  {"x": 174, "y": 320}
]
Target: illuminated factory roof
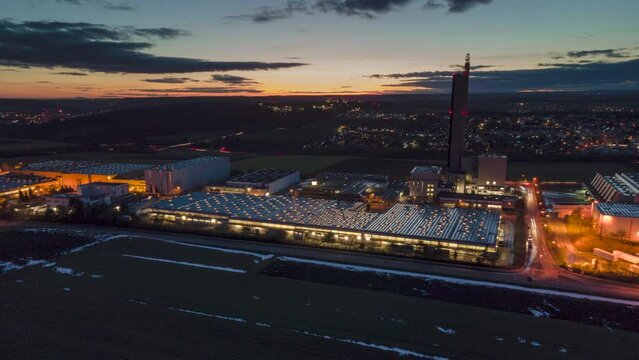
[
  {"x": 85, "y": 167},
  {"x": 428, "y": 222},
  {"x": 427, "y": 170},
  {"x": 60, "y": 165},
  {"x": 10, "y": 182},
  {"x": 262, "y": 176},
  {"x": 619, "y": 209},
  {"x": 189, "y": 162},
  {"x": 113, "y": 169},
  {"x": 437, "y": 222}
]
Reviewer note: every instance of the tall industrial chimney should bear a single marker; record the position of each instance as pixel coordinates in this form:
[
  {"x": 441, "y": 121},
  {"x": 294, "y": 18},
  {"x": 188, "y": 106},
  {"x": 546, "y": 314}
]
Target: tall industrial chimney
[{"x": 458, "y": 114}]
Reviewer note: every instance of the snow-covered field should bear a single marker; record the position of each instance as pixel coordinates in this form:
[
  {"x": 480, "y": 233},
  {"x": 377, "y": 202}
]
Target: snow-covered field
[
  {"x": 392, "y": 349},
  {"x": 93, "y": 239},
  {"x": 459, "y": 281},
  {"x": 185, "y": 263},
  {"x": 607, "y": 312}
]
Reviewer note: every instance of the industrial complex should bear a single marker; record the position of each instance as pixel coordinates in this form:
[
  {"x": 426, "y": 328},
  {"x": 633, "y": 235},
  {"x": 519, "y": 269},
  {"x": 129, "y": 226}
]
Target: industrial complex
[
  {"x": 456, "y": 208},
  {"x": 465, "y": 209},
  {"x": 302, "y": 218}
]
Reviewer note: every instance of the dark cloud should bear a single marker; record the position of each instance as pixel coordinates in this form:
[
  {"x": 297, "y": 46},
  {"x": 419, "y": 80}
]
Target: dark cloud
[
  {"x": 118, "y": 7},
  {"x": 473, "y": 67},
  {"x": 369, "y": 9},
  {"x": 162, "y": 33},
  {"x": 202, "y": 90},
  {"x": 459, "y": 6},
  {"x": 564, "y": 76},
  {"x": 418, "y": 74},
  {"x": 70, "y": 73},
  {"x": 101, "y": 48},
  {"x": 363, "y": 8},
  {"x": 432, "y": 5},
  {"x": 171, "y": 80},
  {"x": 609, "y": 53},
  {"x": 619, "y": 53},
  {"x": 454, "y": 6},
  {"x": 103, "y": 3},
  {"x": 269, "y": 13},
  {"x": 233, "y": 79}
]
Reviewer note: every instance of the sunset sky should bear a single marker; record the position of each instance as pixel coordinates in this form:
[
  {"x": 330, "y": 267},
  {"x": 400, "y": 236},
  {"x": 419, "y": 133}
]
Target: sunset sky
[{"x": 123, "y": 48}]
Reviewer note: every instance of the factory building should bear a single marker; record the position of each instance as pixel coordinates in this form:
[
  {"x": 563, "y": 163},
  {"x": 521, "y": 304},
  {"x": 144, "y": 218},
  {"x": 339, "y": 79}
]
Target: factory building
[
  {"x": 424, "y": 182},
  {"x": 617, "y": 220},
  {"x": 619, "y": 188},
  {"x": 491, "y": 171},
  {"x": 103, "y": 189},
  {"x": 263, "y": 182},
  {"x": 175, "y": 178},
  {"x": 406, "y": 225},
  {"x": 75, "y": 173},
  {"x": 478, "y": 201},
  {"x": 378, "y": 191},
  {"x": 12, "y": 184}
]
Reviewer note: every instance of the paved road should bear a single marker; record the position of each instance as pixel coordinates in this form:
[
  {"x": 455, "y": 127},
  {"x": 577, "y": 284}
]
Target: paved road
[
  {"x": 564, "y": 243},
  {"x": 545, "y": 272}
]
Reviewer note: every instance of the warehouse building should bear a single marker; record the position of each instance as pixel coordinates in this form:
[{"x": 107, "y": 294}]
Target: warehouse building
[
  {"x": 424, "y": 182},
  {"x": 336, "y": 185},
  {"x": 75, "y": 173},
  {"x": 301, "y": 218},
  {"x": 491, "y": 171},
  {"x": 103, "y": 189},
  {"x": 12, "y": 184},
  {"x": 175, "y": 178},
  {"x": 263, "y": 182},
  {"x": 478, "y": 201},
  {"x": 617, "y": 220},
  {"x": 619, "y": 188}
]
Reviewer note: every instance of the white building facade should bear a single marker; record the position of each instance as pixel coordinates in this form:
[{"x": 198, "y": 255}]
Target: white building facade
[{"x": 175, "y": 178}]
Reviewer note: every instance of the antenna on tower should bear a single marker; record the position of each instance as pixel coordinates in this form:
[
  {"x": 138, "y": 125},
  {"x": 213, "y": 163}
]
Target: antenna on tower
[{"x": 467, "y": 65}]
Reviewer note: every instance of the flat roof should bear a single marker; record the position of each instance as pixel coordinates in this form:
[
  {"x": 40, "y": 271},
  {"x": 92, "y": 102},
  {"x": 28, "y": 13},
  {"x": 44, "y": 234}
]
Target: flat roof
[
  {"x": 60, "y": 165},
  {"x": 493, "y": 156},
  {"x": 263, "y": 176},
  {"x": 113, "y": 168},
  {"x": 131, "y": 175},
  {"x": 10, "y": 181},
  {"x": 434, "y": 222},
  {"x": 474, "y": 197},
  {"x": 85, "y": 167},
  {"x": 348, "y": 183},
  {"x": 417, "y": 221},
  {"x": 190, "y": 162},
  {"x": 618, "y": 209},
  {"x": 426, "y": 170}
]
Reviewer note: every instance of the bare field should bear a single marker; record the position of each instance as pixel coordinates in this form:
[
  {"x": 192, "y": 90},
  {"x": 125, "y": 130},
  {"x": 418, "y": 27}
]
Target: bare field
[
  {"x": 398, "y": 168},
  {"x": 579, "y": 171},
  {"x": 142, "y": 298},
  {"x": 306, "y": 164}
]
